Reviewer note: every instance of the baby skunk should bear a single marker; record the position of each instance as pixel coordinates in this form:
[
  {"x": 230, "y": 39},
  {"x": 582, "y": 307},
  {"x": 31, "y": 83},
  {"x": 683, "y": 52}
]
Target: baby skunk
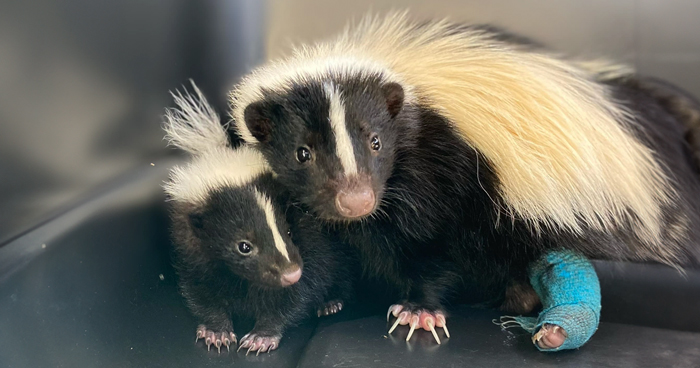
[
  {"x": 453, "y": 156},
  {"x": 234, "y": 254}
]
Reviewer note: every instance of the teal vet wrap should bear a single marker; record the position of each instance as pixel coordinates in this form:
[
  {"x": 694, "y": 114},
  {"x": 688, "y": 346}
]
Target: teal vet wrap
[{"x": 568, "y": 287}]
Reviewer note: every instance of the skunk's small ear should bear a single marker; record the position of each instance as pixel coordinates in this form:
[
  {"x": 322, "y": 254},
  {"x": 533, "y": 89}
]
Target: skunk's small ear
[
  {"x": 393, "y": 95},
  {"x": 259, "y": 118},
  {"x": 196, "y": 220}
]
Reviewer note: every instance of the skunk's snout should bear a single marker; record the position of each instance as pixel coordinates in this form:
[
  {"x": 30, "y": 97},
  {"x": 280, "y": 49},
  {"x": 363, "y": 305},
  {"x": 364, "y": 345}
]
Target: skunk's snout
[
  {"x": 357, "y": 203},
  {"x": 355, "y": 197},
  {"x": 291, "y": 277}
]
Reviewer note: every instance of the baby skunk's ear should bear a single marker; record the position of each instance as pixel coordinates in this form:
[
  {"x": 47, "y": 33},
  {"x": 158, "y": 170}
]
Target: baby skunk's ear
[
  {"x": 393, "y": 94},
  {"x": 260, "y": 118}
]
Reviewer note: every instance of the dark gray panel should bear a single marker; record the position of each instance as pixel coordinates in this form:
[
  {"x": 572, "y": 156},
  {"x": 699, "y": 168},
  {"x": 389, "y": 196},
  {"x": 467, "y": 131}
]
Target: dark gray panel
[{"x": 83, "y": 84}]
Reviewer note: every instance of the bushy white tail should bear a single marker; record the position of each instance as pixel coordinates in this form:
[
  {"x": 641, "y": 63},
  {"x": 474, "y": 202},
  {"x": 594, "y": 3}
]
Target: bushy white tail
[{"x": 193, "y": 125}]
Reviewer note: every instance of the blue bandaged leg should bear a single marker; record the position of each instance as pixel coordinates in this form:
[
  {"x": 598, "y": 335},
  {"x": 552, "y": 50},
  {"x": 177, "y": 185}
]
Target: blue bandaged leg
[{"x": 570, "y": 293}]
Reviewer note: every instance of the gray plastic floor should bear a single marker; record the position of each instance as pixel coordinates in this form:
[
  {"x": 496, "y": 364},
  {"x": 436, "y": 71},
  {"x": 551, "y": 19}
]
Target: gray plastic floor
[{"x": 94, "y": 288}]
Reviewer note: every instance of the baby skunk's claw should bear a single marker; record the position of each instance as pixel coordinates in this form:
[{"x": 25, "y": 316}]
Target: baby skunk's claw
[
  {"x": 217, "y": 339},
  {"x": 259, "y": 342}
]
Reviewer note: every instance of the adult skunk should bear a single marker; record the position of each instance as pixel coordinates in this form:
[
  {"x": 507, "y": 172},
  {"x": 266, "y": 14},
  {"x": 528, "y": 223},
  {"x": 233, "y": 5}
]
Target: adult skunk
[
  {"x": 454, "y": 156},
  {"x": 239, "y": 248}
]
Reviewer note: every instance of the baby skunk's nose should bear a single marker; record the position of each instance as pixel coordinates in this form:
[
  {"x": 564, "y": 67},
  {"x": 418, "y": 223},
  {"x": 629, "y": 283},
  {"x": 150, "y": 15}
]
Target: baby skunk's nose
[
  {"x": 291, "y": 278},
  {"x": 355, "y": 203}
]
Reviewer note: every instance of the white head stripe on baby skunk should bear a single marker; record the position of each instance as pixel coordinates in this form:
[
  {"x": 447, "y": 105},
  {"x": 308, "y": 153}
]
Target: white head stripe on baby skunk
[
  {"x": 217, "y": 168},
  {"x": 266, "y": 206},
  {"x": 193, "y": 126},
  {"x": 561, "y": 148},
  {"x": 336, "y": 116}
]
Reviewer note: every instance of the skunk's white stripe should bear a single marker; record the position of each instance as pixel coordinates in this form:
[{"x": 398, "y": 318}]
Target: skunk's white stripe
[
  {"x": 266, "y": 206},
  {"x": 343, "y": 144},
  {"x": 280, "y": 76}
]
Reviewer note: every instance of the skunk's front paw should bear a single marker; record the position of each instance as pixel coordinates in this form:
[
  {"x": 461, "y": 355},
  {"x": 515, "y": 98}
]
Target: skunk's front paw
[
  {"x": 216, "y": 338},
  {"x": 417, "y": 318}
]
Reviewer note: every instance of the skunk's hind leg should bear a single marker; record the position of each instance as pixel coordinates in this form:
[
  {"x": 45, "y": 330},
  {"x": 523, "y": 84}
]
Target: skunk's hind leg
[
  {"x": 520, "y": 298},
  {"x": 568, "y": 286}
]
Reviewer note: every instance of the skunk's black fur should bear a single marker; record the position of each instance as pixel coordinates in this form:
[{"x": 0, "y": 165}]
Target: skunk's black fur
[
  {"x": 438, "y": 233},
  {"x": 220, "y": 285},
  {"x": 442, "y": 228}
]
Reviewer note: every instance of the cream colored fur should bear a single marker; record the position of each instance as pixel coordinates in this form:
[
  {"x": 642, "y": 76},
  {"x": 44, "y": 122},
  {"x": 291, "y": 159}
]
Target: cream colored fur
[
  {"x": 217, "y": 168},
  {"x": 193, "y": 126},
  {"x": 561, "y": 148}
]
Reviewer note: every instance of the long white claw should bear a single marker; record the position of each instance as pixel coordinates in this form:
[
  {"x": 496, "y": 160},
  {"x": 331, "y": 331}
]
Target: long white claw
[
  {"x": 239, "y": 348},
  {"x": 410, "y": 332},
  {"x": 447, "y": 332},
  {"x": 394, "y": 326},
  {"x": 394, "y": 309},
  {"x": 201, "y": 331},
  {"x": 432, "y": 329}
]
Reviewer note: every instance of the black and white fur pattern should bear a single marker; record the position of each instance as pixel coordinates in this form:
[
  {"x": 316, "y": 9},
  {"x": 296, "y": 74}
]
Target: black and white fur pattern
[
  {"x": 492, "y": 152},
  {"x": 225, "y": 197}
]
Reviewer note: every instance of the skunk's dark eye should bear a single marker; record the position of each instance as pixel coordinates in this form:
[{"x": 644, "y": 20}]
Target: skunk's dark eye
[
  {"x": 289, "y": 233},
  {"x": 303, "y": 154},
  {"x": 375, "y": 143},
  {"x": 245, "y": 248}
]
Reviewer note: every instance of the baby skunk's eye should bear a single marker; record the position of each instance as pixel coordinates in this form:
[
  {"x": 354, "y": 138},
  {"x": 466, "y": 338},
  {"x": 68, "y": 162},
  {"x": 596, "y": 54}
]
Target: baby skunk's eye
[
  {"x": 289, "y": 233},
  {"x": 244, "y": 248},
  {"x": 375, "y": 143},
  {"x": 303, "y": 154}
]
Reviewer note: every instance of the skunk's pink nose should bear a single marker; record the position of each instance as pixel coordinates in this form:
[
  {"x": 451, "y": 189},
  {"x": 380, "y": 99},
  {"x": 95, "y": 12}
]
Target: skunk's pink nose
[
  {"x": 291, "y": 278},
  {"x": 355, "y": 203}
]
